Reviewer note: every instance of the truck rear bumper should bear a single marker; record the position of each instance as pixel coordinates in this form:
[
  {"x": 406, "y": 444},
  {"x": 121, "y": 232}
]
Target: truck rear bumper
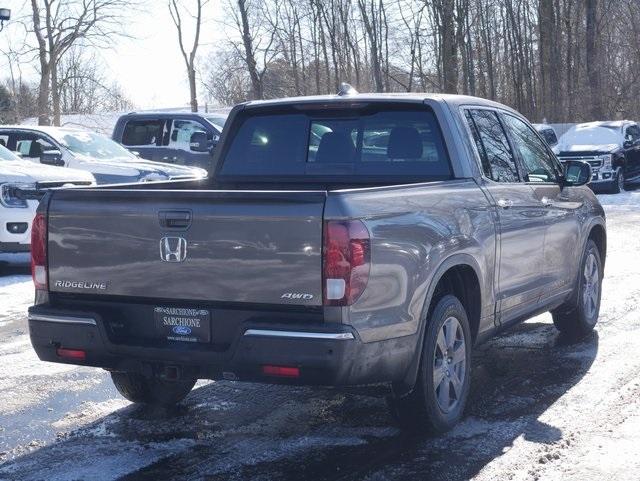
[{"x": 329, "y": 355}]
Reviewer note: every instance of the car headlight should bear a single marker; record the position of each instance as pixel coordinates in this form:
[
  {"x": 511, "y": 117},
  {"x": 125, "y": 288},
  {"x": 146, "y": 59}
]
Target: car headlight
[
  {"x": 606, "y": 160},
  {"x": 9, "y": 195}
]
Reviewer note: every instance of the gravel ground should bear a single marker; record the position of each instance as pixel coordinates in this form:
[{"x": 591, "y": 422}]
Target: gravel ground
[{"x": 540, "y": 408}]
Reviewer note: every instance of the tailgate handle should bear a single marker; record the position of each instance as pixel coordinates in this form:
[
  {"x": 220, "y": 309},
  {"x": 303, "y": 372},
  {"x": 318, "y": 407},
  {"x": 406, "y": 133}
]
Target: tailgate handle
[{"x": 175, "y": 219}]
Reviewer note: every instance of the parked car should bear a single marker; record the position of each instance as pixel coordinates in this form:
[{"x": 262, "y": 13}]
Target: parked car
[
  {"x": 612, "y": 149},
  {"x": 108, "y": 161},
  {"x": 548, "y": 133},
  {"x": 16, "y": 212},
  {"x": 317, "y": 259},
  {"x": 183, "y": 138}
]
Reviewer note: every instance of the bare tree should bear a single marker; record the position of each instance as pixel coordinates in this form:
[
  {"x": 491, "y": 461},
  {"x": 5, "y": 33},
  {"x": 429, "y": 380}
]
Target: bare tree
[
  {"x": 189, "y": 58},
  {"x": 59, "y": 25}
]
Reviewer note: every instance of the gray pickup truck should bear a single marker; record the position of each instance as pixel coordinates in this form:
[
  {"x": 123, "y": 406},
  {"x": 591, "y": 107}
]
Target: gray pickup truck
[{"x": 344, "y": 240}]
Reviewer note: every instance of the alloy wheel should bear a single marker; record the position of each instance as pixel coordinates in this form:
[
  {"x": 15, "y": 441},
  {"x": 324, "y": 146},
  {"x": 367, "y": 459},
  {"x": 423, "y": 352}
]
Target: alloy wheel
[
  {"x": 591, "y": 286},
  {"x": 449, "y": 364}
]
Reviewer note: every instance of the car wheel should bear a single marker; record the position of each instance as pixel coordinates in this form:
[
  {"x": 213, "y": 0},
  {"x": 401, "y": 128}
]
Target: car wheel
[
  {"x": 578, "y": 318},
  {"x": 617, "y": 185},
  {"x": 439, "y": 396},
  {"x": 147, "y": 390}
]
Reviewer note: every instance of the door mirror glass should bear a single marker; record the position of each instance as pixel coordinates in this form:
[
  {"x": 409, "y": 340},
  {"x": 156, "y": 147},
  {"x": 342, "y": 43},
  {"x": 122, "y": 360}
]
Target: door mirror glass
[
  {"x": 52, "y": 157},
  {"x": 576, "y": 173},
  {"x": 198, "y": 142}
]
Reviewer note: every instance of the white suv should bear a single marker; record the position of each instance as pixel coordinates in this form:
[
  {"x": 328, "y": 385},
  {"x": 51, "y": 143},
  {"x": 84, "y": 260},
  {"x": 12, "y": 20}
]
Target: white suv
[{"x": 16, "y": 213}]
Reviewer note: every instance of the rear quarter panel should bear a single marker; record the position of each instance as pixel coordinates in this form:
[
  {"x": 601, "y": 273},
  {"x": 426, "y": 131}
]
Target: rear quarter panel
[{"x": 414, "y": 230}]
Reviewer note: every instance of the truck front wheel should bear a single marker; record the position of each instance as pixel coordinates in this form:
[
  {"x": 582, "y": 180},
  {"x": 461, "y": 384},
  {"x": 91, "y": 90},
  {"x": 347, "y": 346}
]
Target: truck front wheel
[
  {"x": 617, "y": 184},
  {"x": 438, "y": 398},
  {"x": 147, "y": 390}
]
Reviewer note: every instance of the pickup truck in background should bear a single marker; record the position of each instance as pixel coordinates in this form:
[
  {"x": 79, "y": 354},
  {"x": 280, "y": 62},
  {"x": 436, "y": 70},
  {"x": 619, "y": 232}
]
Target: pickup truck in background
[
  {"x": 181, "y": 138},
  {"x": 611, "y": 148},
  {"x": 344, "y": 240}
]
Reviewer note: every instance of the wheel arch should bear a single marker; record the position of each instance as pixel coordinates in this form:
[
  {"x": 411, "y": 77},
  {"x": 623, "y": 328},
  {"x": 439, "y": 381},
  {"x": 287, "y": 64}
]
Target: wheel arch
[
  {"x": 598, "y": 234},
  {"x": 460, "y": 275}
]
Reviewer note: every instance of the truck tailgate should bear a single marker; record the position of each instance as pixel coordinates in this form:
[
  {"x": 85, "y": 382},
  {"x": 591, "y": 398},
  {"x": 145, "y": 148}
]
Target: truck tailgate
[{"x": 215, "y": 246}]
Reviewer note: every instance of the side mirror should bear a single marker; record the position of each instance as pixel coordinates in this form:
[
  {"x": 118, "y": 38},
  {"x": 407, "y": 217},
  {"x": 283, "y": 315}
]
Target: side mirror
[
  {"x": 52, "y": 157},
  {"x": 199, "y": 142},
  {"x": 576, "y": 173}
]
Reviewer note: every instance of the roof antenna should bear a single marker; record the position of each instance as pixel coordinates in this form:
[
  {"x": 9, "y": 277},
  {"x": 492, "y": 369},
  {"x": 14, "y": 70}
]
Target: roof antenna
[{"x": 346, "y": 89}]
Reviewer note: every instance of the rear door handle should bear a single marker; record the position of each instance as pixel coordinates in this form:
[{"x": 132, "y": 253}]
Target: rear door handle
[
  {"x": 505, "y": 203},
  {"x": 175, "y": 219}
]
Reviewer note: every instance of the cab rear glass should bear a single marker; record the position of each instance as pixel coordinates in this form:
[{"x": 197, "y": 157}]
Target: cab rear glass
[{"x": 399, "y": 144}]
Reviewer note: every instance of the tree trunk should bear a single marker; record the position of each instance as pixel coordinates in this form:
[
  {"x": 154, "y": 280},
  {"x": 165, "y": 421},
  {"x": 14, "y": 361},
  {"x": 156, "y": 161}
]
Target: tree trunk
[
  {"x": 250, "y": 60},
  {"x": 43, "y": 93},
  {"x": 192, "y": 89},
  {"x": 593, "y": 69},
  {"x": 449, "y": 48},
  {"x": 55, "y": 91}
]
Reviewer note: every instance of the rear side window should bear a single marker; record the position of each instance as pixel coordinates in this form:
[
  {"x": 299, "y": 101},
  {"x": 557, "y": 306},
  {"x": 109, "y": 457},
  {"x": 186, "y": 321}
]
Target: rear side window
[
  {"x": 376, "y": 145},
  {"x": 498, "y": 162},
  {"x": 143, "y": 132}
]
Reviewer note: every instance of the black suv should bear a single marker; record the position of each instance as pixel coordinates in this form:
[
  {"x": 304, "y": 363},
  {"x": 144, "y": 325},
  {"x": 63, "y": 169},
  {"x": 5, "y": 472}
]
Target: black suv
[{"x": 184, "y": 138}]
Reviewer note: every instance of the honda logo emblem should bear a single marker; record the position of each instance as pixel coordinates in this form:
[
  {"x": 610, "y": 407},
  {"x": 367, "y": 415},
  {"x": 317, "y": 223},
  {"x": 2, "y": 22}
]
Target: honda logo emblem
[{"x": 173, "y": 249}]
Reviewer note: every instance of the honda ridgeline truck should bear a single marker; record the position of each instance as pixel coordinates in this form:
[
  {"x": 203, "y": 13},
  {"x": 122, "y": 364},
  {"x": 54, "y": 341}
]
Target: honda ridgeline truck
[{"x": 343, "y": 240}]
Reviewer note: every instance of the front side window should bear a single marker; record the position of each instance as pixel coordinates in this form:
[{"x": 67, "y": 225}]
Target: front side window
[
  {"x": 633, "y": 133},
  {"x": 181, "y": 131},
  {"x": 538, "y": 165},
  {"x": 143, "y": 133},
  {"x": 31, "y": 146},
  {"x": 549, "y": 136},
  {"x": 491, "y": 141},
  {"x": 389, "y": 144}
]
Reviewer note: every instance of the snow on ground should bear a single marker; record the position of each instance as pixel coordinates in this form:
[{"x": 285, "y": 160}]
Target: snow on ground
[{"x": 540, "y": 409}]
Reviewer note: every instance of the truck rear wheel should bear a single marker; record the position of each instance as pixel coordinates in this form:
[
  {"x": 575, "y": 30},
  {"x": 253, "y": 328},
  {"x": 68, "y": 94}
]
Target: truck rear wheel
[
  {"x": 578, "y": 317},
  {"x": 146, "y": 390},
  {"x": 438, "y": 398}
]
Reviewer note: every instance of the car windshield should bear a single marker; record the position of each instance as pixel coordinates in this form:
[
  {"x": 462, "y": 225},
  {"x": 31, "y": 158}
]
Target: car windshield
[
  {"x": 218, "y": 121},
  {"x": 591, "y": 135},
  {"x": 92, "y": 145},
  {"x": 6, "y": 154}
]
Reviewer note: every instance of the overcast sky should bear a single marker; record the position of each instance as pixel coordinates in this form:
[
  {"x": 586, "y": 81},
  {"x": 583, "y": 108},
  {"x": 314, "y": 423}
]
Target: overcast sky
[{"x": 149, "y": 68}]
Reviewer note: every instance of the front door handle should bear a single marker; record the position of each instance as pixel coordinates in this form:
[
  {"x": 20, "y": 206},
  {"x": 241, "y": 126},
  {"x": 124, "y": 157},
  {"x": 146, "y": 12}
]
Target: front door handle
[{"x": 505, "y": 203}]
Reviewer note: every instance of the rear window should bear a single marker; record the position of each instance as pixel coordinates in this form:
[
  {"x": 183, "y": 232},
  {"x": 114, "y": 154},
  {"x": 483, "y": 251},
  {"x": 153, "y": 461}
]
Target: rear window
[{"x": 394, "y": 145}]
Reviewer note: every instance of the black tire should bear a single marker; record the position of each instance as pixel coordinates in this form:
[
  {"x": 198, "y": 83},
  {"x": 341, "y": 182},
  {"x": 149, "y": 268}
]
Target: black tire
[
  {"x": 617, "y": 185},
  {"x": 578, "y": 317},
  {"x": 145, "y": 390},
  {"x": 420, "y": 410}
]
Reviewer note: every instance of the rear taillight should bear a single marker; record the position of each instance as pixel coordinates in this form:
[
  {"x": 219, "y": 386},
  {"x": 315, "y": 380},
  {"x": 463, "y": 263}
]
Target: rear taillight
[
  {"x": 39, "y": 251},
  {"x": 74, "y": 354},
  {"x": 346, "y": 261}
]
